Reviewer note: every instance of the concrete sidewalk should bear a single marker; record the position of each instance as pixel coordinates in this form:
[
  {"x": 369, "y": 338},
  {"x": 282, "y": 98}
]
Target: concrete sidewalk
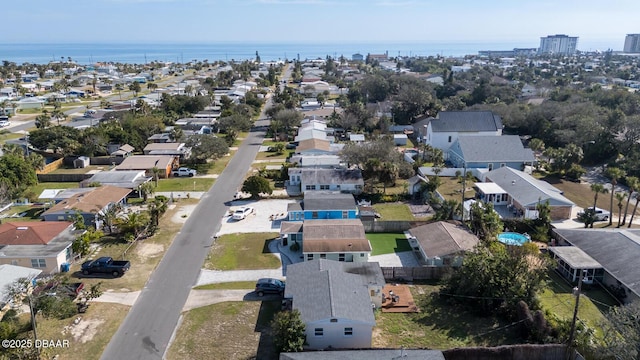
[
  {"x": 124, "y": 298},
  {"x": 200, "y": 298}
]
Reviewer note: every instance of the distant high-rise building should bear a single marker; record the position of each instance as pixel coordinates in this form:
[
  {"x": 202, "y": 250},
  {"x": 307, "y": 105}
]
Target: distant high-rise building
[
  {"x": 558, "y": 44},
  {"x": 632, "y": 43}
]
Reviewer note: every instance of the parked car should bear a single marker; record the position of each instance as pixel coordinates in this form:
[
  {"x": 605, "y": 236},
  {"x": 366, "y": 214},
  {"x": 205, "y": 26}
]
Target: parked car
[
  {"x": 183, "y": 171},
  {"x": 105, "y": 265},
  {"x": 269, "y": 286},
  {"x": 4, "y": 123},
  {"x": 242, "y": 213},
  {"x": 601, "y": 214}
]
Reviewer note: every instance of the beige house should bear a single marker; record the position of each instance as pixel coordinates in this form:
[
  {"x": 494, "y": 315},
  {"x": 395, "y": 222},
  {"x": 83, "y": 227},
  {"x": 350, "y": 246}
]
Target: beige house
[
  {"x": 39, "y": 245},
  {"x": 340, "y": 240},
  {"x": 441, "y": 243},
  {"x": 147, "y": 162}
]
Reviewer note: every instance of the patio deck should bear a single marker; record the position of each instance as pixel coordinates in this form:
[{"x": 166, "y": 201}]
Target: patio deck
[{"x": 403, "y": 299}]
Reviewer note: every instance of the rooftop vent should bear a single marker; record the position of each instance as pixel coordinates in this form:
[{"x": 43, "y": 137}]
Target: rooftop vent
[{"x": 22, "y": 228}]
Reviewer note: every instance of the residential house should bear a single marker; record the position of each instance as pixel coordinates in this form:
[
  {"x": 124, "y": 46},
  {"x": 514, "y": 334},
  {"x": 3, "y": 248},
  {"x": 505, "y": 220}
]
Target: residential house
[
  {"x": 346, "y": 180},
  {"x": 605, "y": 256},
  {"x": 336, "y": 301},
  {"x": 121, "y": 151},
  {"x": 356, "y": 138},
  {"x": 490, "y": 152},
  {"x": 9, "y": 275},
  {"x": 442, "y": 131},
  {"x": 442, "y": 243},
  {"x": 168, "y": 148},
  {"x": 318, "y": 160},
  {"x": 340, "y": 240},
  {"x": 147, "y": 162},
  {"x": 357, "y": 57},
  {"x": 90, "y": 204},
  {"x": 124, "y": 179},
  {"x": 323, "y": 205},
  {"x": 400, "y": 139},
  {"x": 29, "y": 103},
  {"x": 312, "y": 133},
  {"x": 160, "y": 138},
  {"x": 515, "y": 193},
  {"x": 39, "y": 245},
  {"x": 316, "y": 147}
]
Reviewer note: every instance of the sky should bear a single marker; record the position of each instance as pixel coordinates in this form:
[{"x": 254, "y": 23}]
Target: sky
[{"x": 598, "y": 23}]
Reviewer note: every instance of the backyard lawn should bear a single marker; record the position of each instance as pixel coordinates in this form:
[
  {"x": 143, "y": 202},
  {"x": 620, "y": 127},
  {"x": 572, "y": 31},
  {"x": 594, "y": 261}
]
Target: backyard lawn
[
  {"x": 38, "y": 188},
  {"x": 394, "y": 211},
  {"x": 185, "y": 184},
  {"x": 439, "y": 325},
  {"x": 243, "y": 251},
  {"x": 451, "y": 189},
  {"x": 388, "y": 243}
]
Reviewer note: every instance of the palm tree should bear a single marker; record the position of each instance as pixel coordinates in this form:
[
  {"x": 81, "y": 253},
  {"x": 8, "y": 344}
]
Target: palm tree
[
  {"x": 614, "y": 174},
  {"x": 156, "y": 174},
  {"x": 109, "y": 216},
  {"x": 632, "y": 183},
  {"x": 145, "y": 190},
  {"x": 597, "y": 189},
  {"x": 133, "y": 224},
  {"x": 620, "y": 198},
  {"x": 635, "y": 207}
]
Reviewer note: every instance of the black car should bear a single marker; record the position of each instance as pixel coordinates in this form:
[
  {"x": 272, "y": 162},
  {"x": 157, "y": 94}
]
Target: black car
[{"x": 269, "y": 286}]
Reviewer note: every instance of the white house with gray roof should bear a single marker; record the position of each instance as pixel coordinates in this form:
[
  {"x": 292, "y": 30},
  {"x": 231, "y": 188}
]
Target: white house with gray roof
[
  {"x": 442, "y": 131},
  {"x": 344, "y": 180},
  {"x": 515, "y": 193},
  {"x": 124, "y": 179},
  {"x": 336, "y": 301},
  {"x": 607, "y": 256},
  {"x": 490, "y": 152}
]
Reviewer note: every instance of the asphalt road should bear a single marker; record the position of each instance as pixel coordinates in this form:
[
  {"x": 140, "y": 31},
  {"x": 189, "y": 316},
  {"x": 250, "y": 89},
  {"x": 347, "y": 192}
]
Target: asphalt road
[{"x": 149, "y": 325}]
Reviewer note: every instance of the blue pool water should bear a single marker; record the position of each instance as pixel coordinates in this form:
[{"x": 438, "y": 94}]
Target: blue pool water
[{"x": 512, "y": 238}]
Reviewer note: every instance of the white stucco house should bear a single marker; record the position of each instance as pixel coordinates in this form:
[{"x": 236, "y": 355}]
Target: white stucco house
[{"x": 442, "y": 131}]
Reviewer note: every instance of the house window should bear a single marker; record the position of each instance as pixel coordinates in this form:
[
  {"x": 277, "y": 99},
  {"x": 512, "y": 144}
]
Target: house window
[
  {"x": 61, "y": 217},
  {"x": 324, "y": 187},
  {"x": 345, "y": 214},
  {"x": 449, "y": 138},
  {"x": 503, "y": 164},
  {"x": 348, "y": 331},
  {"x": 358, "y": 187},
  {"x": 38, "y": 263},
  {"x": 490, "y": 166},
  {"x": 361, "y": 254},
  {"x": 505, "y": 197},
  {"x": 323, "y": 256},
  {"x": 310, "y": 187},
  {"x": 341, "y": 257},
  {"x": 309, "y": 257},
  {"x": 314, "y": 215},
  {"x": 318, "y": 331}
]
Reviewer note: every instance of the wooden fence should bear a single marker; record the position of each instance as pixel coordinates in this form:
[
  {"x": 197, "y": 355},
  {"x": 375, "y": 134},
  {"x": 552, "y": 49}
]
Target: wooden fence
[
  {"x": 52, "y": 166},
  {"x": 415, "y": 273},
  {"x": 390, "y": 226}
]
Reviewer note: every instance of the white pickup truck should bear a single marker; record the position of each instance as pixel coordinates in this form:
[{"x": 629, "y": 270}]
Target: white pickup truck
[{"x": 183, "y": 171}]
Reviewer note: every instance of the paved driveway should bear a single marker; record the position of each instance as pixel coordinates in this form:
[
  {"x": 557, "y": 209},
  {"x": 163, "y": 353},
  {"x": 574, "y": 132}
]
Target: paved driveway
[{"x": 260, "y": 220}]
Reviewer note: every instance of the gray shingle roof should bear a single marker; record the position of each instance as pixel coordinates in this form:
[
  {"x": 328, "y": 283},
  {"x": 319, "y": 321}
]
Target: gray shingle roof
[
  {"x": 331, "y": 236},
  {"x": 442, "y": 238},
  {"x": 324, "y": 289},
  {"x": 526, "y": 189},
  {"x": 331, "y": 176},
  {"x": 506, "y": 148},
  {"x": 328, "y": 200},
  {"x": 616, "y": 250},
  {"x": 466, "y": 121}
]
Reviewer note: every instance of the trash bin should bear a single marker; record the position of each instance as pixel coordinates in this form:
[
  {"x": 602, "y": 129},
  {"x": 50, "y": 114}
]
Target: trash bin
[{"x": 64, "y": 267}]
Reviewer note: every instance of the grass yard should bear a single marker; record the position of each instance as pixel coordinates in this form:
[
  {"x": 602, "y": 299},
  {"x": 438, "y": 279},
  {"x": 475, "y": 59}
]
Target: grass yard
[
  {"x": 6, "y": 135},
  {"x": 236, "y": 285},
  {"x": 388, "y": 243},
  {"x": 88, "y": 338},
  {"x": 394, "y": 211},
  {"x": 451, "y": 189},
  {"x": 67, "y": 170},
  {"x": 30, "y": 212},
  {"x": 185, "y": 184},
  {"x": 580, "y": 194},
  {"x": 266, "y": 155},
  {"x": 219, "y": 165},
  {"x": 229, "y": 330},
  {"x": 246, "y": 251},
  {"x": 439, "y": 325},
  {"x": 401, "y": 187},
  {"x": 38, "y": 188},
  {"x": 558, "y": 299}
]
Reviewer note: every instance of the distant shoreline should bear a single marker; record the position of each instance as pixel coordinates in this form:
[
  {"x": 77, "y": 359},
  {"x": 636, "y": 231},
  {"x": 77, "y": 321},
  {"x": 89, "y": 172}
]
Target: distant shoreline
[{"x": 140, "y": 53}]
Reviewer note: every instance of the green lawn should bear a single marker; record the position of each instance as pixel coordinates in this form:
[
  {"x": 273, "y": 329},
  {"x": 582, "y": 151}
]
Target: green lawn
[
  {"x": 451, "y": 189},
  {"x": 440, "y": 325},
  {"x": 242, "y": 252},
  {"x": 30, "y": 212},
  {"x": 236, "y": 285},
  {"x": 6, "y": 135},
  {"x": 185, "y": 184},
  {"x": 38, "y": 188},
  {"x": 388, "y": 243},
  {"x": 266, "y": 155},
  {"x": 228, "y": 330},
  {"x": 394, "y": 211},
  {"x": 219, "y": 165}
]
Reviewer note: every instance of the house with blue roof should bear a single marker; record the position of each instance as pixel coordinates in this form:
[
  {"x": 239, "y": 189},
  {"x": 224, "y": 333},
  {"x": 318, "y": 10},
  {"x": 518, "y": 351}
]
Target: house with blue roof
[
  {"x": 323, "y": 205},
  {"x": 490, "y": 152}
]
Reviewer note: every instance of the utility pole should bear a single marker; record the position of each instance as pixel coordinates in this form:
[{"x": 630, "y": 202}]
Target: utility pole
[
  {"x": 576, "y": 292},
  {"x": 464, "y": 186}
]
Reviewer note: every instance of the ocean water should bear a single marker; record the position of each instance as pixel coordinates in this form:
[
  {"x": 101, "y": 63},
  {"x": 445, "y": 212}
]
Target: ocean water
[{"x": 144, "y": 53}]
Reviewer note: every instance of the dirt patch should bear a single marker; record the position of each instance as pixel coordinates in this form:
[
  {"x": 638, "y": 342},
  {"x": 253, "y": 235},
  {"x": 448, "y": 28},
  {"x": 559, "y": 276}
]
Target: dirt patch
[
  {"x": 421, "y": 210},
  {"x": 377, "y": 340},
  {"x": 182, "y": 214},
  {"x": 83, "y": 330},
  {"x": 149, "y": 250}
]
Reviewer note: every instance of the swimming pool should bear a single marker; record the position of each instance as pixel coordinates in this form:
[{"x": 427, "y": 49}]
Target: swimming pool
[{"x": 512, "y": 238}]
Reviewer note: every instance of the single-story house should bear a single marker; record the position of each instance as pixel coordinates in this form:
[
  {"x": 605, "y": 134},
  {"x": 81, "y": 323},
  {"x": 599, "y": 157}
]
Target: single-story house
[
  {"x": 442, "y": 243},
  {"x": 9, "y": 274},
  {"x": 515, "y": 193},
  {"x": 318, "y": 160},
  {"x": 490, "y": 152},
  {"x": 443, "y": 130},
  {"x": 89, "y": 204},
  {"x": 122, "y": 151},
  {"x": 317, "y": 146},
  {"x": 323, "y": 205},
  {"x": 606, "y": 256},
  {"x": 336, "y": 301},
  {"x": 147, "y": 162},
  {"x": 168, "y": 148},
  {"x": 400, "y": 139},
  {"x": 39, "y": 245},
  {"x": 356, "y": 138},
  {"x": 347, "y": 180},
  {"x": 160, "y": 138},
  {"x": 311, "y": 133},
  {"x": 29, "y": 103},
  {"x": 124, "y": 179}
]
